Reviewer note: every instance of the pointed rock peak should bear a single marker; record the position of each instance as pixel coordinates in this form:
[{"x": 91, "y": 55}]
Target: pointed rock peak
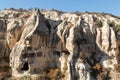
[
  {"x": 31, "y": 24},
  {"x": 37, "y": 12}
]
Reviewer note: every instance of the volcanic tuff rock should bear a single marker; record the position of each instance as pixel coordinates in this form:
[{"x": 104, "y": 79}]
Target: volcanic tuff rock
[{"x": 51, "y": 44}]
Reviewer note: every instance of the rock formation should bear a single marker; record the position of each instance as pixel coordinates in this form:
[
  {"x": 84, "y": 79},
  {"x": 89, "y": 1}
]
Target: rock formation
[{"x": 51, "y": 44}]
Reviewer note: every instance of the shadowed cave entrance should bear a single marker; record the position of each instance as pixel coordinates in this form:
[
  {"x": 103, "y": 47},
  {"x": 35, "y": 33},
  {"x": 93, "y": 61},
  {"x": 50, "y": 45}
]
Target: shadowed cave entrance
[{"x": 25, "y": 67}]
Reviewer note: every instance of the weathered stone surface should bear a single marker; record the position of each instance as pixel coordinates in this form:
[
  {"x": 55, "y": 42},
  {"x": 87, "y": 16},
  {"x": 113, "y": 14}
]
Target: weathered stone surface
[{"x": 73, "y": 46}]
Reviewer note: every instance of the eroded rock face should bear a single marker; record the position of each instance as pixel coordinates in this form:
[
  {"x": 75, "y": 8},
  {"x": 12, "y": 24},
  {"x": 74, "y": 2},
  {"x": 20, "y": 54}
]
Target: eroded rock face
[{"x": 77, "y": 46}]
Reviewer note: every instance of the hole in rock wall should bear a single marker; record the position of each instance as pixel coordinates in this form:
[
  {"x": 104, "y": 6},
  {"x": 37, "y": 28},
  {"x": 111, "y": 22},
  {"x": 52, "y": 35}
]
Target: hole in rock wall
[
  {"x": 25, "y": 67},
  {"x": 28, "y": 55},
  {"x": 39, "y": 54},
  {"x": 31, "y": 55},
  {"x": 57, "y": 53}
]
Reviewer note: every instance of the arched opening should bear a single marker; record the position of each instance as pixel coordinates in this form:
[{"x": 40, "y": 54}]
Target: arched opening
[{"x": 25, "y": 67}]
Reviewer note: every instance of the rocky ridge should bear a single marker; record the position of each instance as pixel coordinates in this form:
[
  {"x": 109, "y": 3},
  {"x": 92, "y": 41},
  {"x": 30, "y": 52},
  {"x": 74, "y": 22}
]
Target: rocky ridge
[{"x": 75, "y": 46}]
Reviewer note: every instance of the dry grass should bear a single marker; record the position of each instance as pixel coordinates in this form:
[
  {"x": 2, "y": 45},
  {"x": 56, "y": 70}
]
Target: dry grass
[
  {"x": 98, "y": 23},
  {"x": 97, "y": 66},
  {"x": 54, "y": 73}
]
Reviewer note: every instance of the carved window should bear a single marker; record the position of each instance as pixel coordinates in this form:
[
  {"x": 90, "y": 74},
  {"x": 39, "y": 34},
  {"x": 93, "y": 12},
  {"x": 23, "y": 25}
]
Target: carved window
[
  {"x": 31, "y": 55},
  {"x": 25, "y": 67},
  {"x": 29, "y": 48},
  {"x": 57, "y": 53},
  {"x": 39, "y": 54},
  {"x": 24, "y": 55}
]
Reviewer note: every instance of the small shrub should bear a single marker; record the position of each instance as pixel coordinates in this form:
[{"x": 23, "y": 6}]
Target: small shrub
[
  {"x": 98, "y": 23},
  {"x": 53, "y": 73},
  {"x": 117, "y": 28},
  {"x": 97, "y": 66},
  {"x": 112, "y": 24}
]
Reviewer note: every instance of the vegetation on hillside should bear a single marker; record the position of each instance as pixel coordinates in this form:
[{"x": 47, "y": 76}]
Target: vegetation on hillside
[{"x": 116, "y": 27}]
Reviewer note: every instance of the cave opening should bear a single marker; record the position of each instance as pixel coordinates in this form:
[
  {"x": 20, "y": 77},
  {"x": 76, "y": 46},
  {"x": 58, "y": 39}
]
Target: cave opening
[
  {"x": 57, "y": 53},
  {"x": 25, "y": 67}
]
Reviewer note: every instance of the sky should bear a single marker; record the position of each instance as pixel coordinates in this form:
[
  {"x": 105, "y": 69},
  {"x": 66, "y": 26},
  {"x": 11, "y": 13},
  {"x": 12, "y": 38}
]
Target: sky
[{"x": 106, "y": 6}]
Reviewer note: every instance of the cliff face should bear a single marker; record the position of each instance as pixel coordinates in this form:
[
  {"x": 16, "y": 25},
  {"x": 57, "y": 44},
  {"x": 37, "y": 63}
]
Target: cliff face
[{"x": 73, "y": 46}]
